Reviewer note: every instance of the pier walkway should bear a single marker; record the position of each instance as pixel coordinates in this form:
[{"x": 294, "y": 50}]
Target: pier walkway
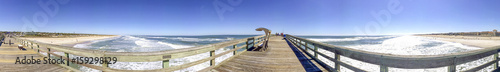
[
  {"x": 293, "y": 54},
  {"x": 280, "y": 57},
  {"x": 10, "y": 52}
]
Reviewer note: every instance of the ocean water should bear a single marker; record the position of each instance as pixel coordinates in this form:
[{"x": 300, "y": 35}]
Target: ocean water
[
  {"x": 401, "y": 45},
  {"x": 148, "y": 43}
]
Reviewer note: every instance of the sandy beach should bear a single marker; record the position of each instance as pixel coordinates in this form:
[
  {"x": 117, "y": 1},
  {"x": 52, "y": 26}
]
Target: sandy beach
[
  {"x": 477, "y": 41},
  {"x": 71, "y": 40}
]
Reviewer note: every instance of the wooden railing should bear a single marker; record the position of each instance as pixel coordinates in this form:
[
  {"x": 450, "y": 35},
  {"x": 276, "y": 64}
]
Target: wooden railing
[
  {"x": 385, "y": 60},
  {"x": 164, "y": 56}
]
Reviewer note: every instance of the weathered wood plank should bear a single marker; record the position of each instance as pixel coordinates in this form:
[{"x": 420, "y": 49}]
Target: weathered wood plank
[{"x": 279, "y": 57}]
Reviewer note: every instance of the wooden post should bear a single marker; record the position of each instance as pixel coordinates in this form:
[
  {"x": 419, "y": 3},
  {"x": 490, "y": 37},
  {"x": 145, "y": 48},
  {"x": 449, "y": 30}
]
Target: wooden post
[
  {"x": 212, "y": 62},
  {"x": 105, "y": 64},
  {"x": 48, "y": 52},
  {"x": 337, "y": 65},
  {"x": 306, "y": 47},
  {"x": 452, "y": 68},
  {"x": 247, "y": 44},
  {"x": 294, "y": 41},
  {"x": 297, "y": 41},
  {"x": 165, "y": 63},
  {"x": 384, "y": 68},
  {"x": 38, "y": 47},
  {"x": 236, "y": 51},
  {"x": 300, "y": 44},
  {"x": 315, "y": 51},
  {"x": 67, "y": 56},
  {"x": 253, "y": 44},
  {"x": 496, "y": 63}
]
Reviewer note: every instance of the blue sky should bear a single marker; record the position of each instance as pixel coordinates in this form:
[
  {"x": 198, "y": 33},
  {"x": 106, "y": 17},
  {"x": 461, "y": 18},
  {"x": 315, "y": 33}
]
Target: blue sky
[{"x": 296, "y": 17}]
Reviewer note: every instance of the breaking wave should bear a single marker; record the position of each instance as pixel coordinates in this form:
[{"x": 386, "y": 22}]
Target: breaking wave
[
  {"x": 346, "y": 39},
  {"x": 196, "y": 39}
]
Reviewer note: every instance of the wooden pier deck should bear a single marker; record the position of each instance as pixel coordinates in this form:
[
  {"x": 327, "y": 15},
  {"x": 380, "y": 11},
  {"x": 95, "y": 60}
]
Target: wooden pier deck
[
  {"x": 9, "y": 54},
  {"x": 280, "y": 57}
]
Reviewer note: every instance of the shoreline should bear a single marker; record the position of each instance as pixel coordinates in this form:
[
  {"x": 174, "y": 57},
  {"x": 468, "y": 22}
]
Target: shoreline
[
  {"x": 475, "y": 41},
  {"x": 71, "y": 41},
  {"x": 85, "y": 42}
]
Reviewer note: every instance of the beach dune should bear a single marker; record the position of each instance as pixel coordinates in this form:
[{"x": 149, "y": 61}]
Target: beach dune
[{"x": 477, "y": 41}]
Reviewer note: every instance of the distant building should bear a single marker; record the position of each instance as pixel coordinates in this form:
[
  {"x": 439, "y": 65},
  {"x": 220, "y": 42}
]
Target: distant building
[{"x": 495, "y": 33}]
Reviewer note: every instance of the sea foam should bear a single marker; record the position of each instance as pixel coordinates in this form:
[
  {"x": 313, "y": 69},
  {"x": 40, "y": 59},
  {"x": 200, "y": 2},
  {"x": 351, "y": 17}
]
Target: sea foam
[{"x": 346, "y": 39}]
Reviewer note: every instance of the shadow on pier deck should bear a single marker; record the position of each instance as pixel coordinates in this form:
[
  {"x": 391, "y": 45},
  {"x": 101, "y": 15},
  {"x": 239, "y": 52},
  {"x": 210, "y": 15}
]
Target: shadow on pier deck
[{"x": 281, "y": 56}]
